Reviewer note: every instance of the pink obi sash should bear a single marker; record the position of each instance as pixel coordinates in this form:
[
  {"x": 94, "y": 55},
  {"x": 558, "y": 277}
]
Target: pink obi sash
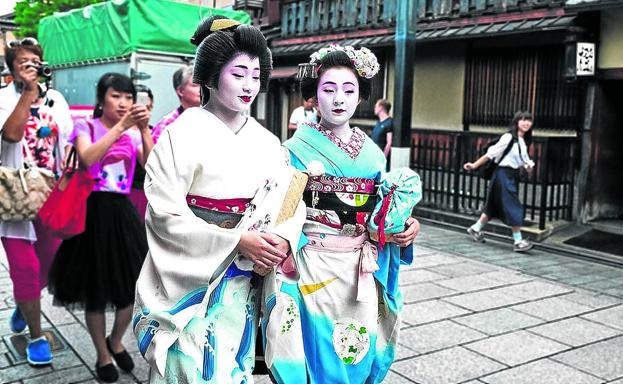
[
  {"x": 221, "y": 205},
  {"x": 367, "y": 257}
]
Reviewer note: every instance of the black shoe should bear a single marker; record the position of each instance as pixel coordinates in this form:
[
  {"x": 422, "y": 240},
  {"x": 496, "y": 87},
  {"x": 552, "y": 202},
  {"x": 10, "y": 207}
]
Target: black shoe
[
  {"x": 123, "y": 358},
  {"x": 108, "y": 373}
]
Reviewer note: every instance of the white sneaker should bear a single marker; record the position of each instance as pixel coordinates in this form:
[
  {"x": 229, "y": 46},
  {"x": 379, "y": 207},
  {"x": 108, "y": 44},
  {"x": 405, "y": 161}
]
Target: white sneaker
[
  {"x": 477, "y": 236},
  {"x": 522, "y": 246}
]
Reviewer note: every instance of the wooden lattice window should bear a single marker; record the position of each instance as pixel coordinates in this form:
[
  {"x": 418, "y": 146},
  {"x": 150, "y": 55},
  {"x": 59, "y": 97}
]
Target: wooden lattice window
[{"x": 498, "y": 82}]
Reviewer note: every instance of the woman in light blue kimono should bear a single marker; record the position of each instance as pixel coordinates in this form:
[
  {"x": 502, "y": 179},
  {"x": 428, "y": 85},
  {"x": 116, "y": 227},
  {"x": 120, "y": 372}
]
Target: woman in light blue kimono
[{"x": 332, "y": 316}]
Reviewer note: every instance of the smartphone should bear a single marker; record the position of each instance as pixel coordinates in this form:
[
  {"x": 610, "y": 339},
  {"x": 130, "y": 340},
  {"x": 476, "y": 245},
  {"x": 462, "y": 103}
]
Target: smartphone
[{"x": 142, "y": 98}]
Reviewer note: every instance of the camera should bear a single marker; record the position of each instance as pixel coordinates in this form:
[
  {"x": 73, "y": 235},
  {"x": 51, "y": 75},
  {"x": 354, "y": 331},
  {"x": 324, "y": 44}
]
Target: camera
[{"x": 43, "y": 70}]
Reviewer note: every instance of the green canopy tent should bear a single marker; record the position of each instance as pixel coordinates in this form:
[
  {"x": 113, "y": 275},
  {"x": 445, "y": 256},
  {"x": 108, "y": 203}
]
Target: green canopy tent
[
  {"x": 133, "y": 37},
  {"x": 115, "y": 29}
]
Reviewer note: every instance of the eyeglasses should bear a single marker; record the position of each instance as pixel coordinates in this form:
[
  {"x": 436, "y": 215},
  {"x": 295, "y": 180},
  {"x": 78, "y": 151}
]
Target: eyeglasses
[{"x": 24, "y": 41}]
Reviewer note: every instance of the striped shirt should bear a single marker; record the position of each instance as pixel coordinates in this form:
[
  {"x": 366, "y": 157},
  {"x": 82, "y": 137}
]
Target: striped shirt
[{"x": 165, "y": 122}]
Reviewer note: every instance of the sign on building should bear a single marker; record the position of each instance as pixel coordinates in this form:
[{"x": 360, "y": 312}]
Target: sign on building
[{"x": 585, "y": 59}]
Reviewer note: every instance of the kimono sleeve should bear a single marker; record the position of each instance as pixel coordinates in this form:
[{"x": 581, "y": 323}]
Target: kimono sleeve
[{"x": 186, "y": 254}]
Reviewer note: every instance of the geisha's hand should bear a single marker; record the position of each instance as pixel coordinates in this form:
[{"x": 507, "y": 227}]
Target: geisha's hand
[
  {"x": 254, "y": 247},
  {"x": 276, "y": 241},
  {"x": 405, "y": 238}
]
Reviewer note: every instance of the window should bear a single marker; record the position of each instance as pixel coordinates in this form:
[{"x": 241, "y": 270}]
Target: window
[{"x": 498, "y": 82}]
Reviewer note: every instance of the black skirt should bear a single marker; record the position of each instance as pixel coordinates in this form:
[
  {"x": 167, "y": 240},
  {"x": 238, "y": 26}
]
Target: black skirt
[
  {"x": 99, "y": 268},
  {"x": 503, "y": 197}
]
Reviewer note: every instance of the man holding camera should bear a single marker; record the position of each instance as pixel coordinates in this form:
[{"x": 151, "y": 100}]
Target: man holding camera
[{"x": 35, "y": 123}]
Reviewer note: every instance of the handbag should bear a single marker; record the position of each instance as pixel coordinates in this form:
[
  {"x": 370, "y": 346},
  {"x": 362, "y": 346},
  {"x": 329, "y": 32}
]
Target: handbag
[
  {"x": 65, "y": 211},
  {"x": 23, "y": 191},
  {"x": 399, "y": 192},
  {"x": 486, "y": 171}
]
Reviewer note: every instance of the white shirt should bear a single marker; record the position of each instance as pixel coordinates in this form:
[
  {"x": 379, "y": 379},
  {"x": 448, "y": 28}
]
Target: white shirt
[
  {"x": 515, "y": 158},
  {"x": 12, "y": 155},
  {"x": 300, "y": 115}
]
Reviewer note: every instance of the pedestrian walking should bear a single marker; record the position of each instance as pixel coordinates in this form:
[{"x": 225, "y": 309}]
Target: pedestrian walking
[
  {"x": 98, "y": 268},
  {"x": 510, "y": 153},
  {"x": 34, "y": 122}
]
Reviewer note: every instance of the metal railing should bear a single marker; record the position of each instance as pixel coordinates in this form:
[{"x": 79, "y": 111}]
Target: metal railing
[{"x": 546, "y": 191}]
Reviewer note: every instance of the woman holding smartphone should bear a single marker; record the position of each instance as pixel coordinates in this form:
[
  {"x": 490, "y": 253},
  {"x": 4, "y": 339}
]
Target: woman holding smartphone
[{"x": 98, "y": 269}]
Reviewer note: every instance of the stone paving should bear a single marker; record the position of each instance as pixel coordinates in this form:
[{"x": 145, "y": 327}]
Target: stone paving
[{"x": 474, "y": 314}]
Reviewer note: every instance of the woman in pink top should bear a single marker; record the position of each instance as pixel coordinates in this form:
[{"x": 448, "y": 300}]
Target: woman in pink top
[{"x": 98, "y": 268}]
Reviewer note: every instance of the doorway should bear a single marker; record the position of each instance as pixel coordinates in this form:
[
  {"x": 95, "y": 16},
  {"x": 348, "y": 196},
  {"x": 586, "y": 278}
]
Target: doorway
[{"x": 606, "y": 181}]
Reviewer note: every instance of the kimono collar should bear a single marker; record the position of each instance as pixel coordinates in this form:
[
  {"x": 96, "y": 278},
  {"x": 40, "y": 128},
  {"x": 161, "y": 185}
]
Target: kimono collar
[{"x": 309, "y": 144}]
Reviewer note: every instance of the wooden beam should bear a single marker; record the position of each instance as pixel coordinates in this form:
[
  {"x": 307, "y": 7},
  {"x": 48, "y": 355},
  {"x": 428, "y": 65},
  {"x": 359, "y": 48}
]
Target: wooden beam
[
  {"x": 610, "y": 74},
  {"x": 333, "y": 36}
]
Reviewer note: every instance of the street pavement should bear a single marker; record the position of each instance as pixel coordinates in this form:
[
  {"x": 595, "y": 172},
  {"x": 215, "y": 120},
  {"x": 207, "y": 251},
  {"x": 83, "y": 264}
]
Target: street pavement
[{"x": 474, "y": 314}]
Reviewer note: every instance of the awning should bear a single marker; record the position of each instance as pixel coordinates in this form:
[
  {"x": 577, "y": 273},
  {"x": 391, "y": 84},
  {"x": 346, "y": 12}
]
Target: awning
[
  {"x": 283, "y": 72},
  {"x": 115, "y": 29},
  {"x": 442, "y": 31}
]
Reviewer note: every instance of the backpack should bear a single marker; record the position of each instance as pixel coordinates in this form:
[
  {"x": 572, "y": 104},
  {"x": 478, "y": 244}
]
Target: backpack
[{"x": 486, "y": 171}]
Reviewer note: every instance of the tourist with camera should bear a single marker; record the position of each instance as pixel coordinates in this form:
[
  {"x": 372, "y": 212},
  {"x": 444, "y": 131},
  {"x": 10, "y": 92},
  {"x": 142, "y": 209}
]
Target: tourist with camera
[{"x": 35, "y": 124}]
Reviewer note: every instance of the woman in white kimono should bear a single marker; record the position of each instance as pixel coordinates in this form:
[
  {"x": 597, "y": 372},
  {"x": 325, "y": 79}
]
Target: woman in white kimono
[{"x": 197, "y": 302}]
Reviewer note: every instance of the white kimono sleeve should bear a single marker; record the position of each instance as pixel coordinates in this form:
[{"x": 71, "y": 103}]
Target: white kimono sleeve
[{"x": 186, "y": 254}]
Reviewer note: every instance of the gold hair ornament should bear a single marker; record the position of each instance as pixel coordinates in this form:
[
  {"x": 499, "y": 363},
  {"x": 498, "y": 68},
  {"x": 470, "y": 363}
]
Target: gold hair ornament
[{"x": 219, "y": 24}]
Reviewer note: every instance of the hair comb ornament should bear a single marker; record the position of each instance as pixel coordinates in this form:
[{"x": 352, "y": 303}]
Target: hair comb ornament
[
  {"x": 219, "y": 24},
  {"x": 307, "y": 70},
  {"x": 363, "y": 59}
]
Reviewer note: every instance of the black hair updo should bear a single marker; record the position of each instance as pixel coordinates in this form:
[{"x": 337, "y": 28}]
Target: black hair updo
[{"x": 216, "y": 48}]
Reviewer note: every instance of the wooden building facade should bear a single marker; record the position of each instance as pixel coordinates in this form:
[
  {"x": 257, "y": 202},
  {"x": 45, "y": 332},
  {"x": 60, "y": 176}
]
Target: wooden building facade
[{"x": 477, "y": 62}]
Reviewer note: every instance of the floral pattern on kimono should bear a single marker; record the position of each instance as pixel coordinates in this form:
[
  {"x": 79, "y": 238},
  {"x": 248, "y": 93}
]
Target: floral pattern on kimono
[{"x": 333, "y": 324}]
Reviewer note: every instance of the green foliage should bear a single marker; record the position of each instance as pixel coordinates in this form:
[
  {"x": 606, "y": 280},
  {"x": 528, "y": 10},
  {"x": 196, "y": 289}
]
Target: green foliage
[{"x": 29, "y": 12}]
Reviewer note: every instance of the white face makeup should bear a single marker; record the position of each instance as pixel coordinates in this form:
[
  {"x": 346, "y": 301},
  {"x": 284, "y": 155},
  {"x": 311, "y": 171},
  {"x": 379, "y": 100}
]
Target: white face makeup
[
  {"x": 338, "y": 96},
  {"x": 239, "y": 83}
]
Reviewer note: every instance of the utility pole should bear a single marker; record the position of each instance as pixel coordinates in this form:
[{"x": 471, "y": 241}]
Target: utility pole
[{"x": 403, "y": 91}]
